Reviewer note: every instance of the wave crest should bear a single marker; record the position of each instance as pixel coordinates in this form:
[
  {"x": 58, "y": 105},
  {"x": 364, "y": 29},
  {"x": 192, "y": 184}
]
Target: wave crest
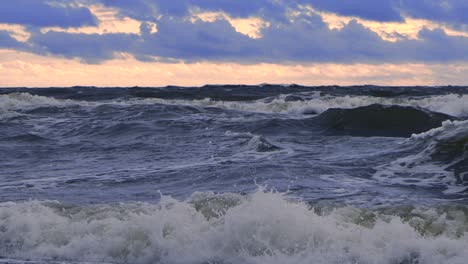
[{"x": 444, "y": 155}]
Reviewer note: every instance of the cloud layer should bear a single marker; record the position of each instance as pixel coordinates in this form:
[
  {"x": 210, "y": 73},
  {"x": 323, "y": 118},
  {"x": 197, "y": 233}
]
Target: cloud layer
[{"x": 290, "y": 32}]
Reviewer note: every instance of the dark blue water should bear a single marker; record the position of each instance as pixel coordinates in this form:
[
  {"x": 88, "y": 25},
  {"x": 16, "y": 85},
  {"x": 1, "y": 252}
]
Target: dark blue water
[{"x": 234, "y": 174}]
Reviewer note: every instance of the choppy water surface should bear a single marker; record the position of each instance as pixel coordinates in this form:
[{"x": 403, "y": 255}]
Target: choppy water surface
[{"x": 234, "y": 174}]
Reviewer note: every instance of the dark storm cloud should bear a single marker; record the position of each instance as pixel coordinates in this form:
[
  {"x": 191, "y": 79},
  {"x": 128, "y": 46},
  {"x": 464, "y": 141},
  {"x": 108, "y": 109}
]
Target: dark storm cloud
[
  {"x": 197, "y": 41},
  {"x": 39, "y": 13},
  {"x": 92, "y": 48}
]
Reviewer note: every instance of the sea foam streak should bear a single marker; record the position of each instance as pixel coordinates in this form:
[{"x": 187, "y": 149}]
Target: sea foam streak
[{"x": 261, "y": 228}]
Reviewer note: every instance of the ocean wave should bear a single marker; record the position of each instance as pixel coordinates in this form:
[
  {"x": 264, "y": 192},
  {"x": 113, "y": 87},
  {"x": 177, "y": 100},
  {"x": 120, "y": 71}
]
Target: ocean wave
[
  {"x": 381, "y": 120},
  {"x": 444, "y": 155},
  {"x": 264, "y": 227}
]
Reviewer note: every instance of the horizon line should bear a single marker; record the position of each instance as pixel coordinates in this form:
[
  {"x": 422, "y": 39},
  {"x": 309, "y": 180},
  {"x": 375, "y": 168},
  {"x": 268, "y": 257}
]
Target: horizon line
[{"x": 236, "y": 85}]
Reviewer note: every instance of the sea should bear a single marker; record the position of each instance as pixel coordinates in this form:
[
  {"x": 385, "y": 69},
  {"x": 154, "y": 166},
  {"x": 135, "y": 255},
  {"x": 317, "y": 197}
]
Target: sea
[{"x": 228, "y": 174}]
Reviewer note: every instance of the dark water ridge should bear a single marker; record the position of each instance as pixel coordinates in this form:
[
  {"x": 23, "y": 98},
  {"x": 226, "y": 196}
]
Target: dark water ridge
[
  {"x": 379, "y": 120},
  {"x": 171, "y": 175},
  {"x": 232, "y": 92}
]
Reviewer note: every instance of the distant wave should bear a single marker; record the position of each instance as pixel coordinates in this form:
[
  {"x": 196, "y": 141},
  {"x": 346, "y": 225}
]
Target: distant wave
[
  {"x": 452, "y": 104},
  {"x": 310, "y": 103},
  {"x": 261, "y": 228},
  {"x": 12, "y": 104},
  {"x": 18, "y": 101}
]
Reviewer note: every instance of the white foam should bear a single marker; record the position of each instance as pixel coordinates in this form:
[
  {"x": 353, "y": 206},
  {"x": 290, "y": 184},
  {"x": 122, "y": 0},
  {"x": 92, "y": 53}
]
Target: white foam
[{"x": 261, "y": 228}]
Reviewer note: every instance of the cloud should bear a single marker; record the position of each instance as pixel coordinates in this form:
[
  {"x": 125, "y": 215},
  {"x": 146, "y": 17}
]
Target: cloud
[
  {"x": 91, "y": 48},
  {"x": 168, "y": 32},
  {"x": 39, "y": 13},
  {"x": 452, "y": 12},
  {"x": 108, "y": 20},
  {"x": 436, "y": 46},
  {"x": 182, "y": 39},
  {"x": 7, "y": 41},
  {"x": 143, "y": 9},
  {"x": 448, "y": 11},
  {"x": 382, "y": 10},
  {"x": 65, "y": 14},
  {"x": 307, "y": 39}
]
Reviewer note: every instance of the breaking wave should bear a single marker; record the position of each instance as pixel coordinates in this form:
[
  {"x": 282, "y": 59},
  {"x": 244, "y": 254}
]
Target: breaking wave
[
  {"x": 444, "y": 155},
  {"x": 264, "y": 227}
]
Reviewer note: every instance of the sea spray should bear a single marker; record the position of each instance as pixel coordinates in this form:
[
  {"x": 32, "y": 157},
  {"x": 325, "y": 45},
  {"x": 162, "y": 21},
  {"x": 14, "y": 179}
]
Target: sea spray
[{"x": 264, "y": 227}]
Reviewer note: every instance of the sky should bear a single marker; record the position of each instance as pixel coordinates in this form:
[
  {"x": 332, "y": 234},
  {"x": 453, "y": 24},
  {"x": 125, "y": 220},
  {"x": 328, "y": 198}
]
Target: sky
[{"x": 191, "y": 43}]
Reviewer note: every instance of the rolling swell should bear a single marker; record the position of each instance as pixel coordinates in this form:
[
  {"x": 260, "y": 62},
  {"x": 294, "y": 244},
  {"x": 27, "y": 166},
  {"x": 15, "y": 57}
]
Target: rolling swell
[{"x": 379, "y": 120}]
